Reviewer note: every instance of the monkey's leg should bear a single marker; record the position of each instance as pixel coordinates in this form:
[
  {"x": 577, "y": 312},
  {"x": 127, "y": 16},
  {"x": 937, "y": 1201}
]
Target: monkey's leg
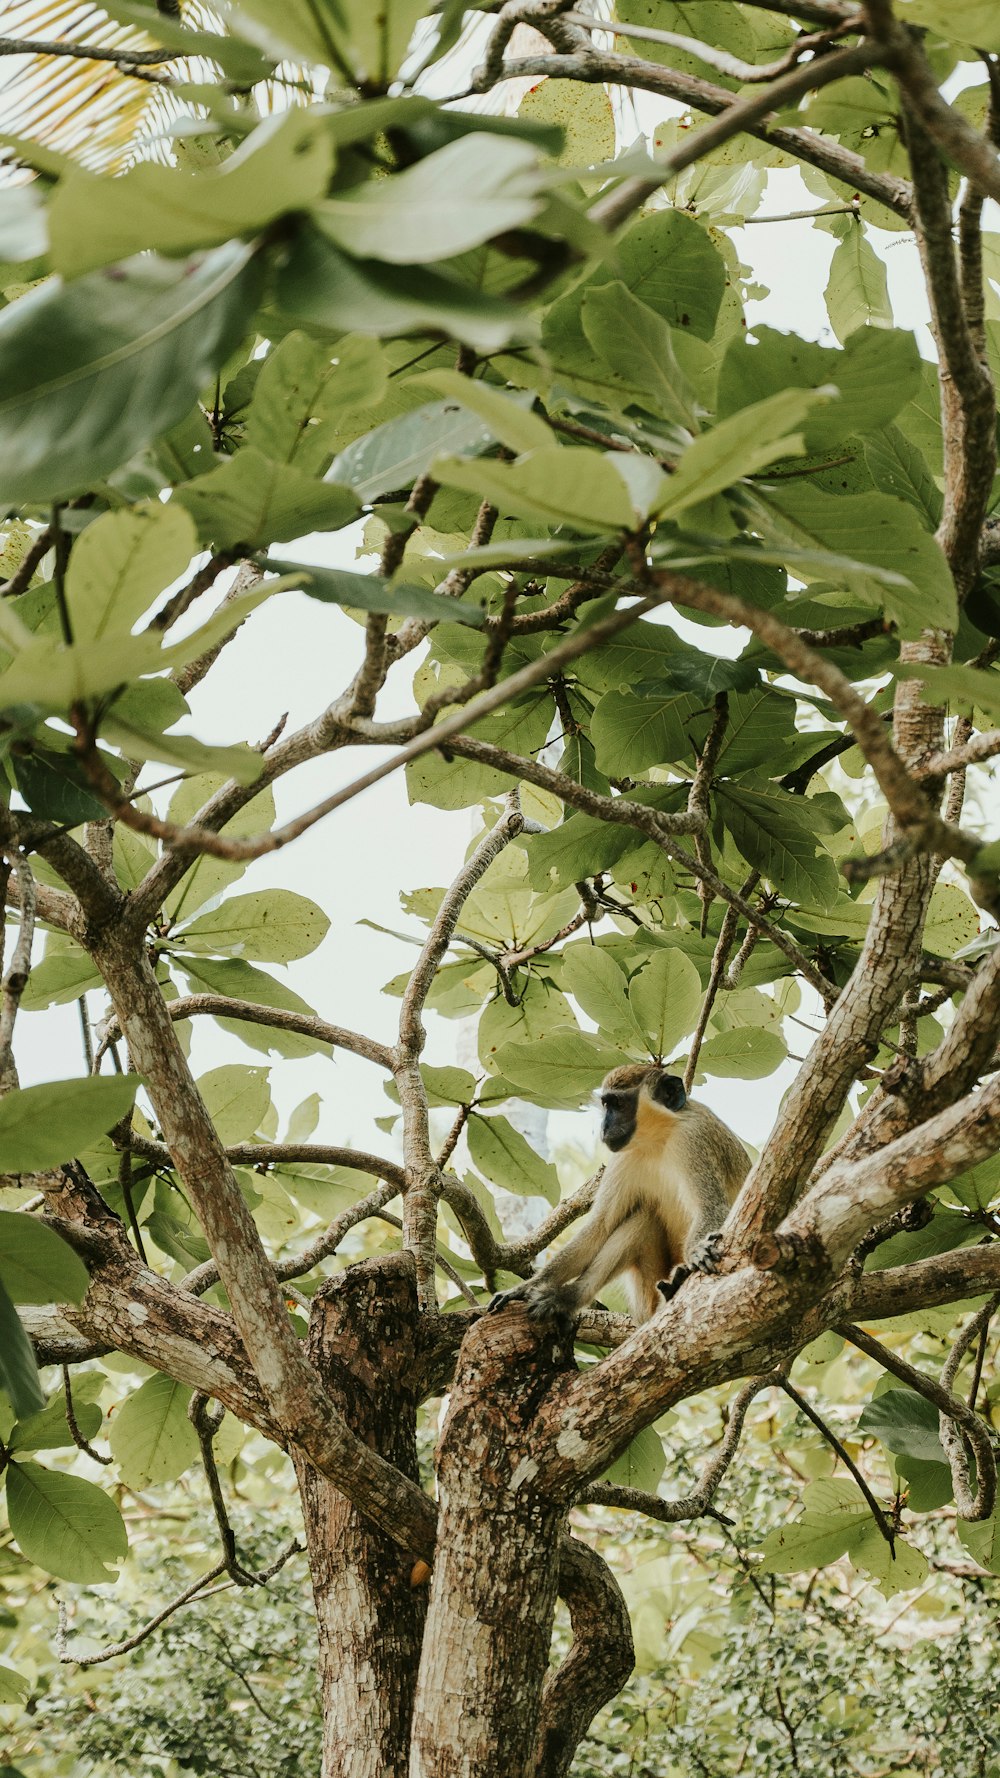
[
  {"x": 620, "y": 1250},
  {"x": 567, "y": 1263},
  {"x": 578, "y": 1270}
]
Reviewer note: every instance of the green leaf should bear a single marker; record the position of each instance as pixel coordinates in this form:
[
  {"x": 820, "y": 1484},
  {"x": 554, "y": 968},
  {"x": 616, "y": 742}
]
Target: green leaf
[
  {"x": 835, "y": 1515},
  {"x": 48, "y": 1430},
  {"x": 964, "y": 690},
  {"x": 36, "y": 1264},
  {"x": 558, "y": 484},
  {"x": 391, "y": 457},
  {"x": 250, "y": 501},
  {"x": 93, "y": 371},
  {"x": 320, "y": 287},
  {"x": 306, "y": 30},
  {"x": 54, "y": 787},
  {"x": 877, "y": 530},
  {"x": 876, "y": 373},
  {"x": 857, "y": 294},
  {"x": 599, "y": 988},
  {"x": 40, "y": 1127},
  {"x": 749, "y": 1054},
  {"x": 239, "y": 980},
  {"x": 237, "y": 1098},
  {"x": 631, "y": 732},
  {"x": 564, "y": 1071},
  {"x": 303, "y": 393},
  {"x": 739, "y": 446},
  {"x": 906, "y": 1423},
  {"x": 272, "y": 926},
  {"x": 65, "y": 1525},
  {"x": 973, "y": 22},
  {"x": 638, "y": 345},
  {"x": 777, "y": 834},
  {"x": 446, "y": 203},
  {"x": 704, "y": 675},
  {"x": 151, "y": 1437},
  {"x": 284, "y": 164},
  {"x": 371, "y": 592},
  {"x": 18, "y": 1370},
  {"x": 64, "y": 973},
  {"x": 506, "y": 1157},
  {"x": 982, "y": 1541},
  {"x": 641, "y": 1464},
  {"x": 665, "y": 998},
  {"x": 14, "y": 1688},
  {"x": 506, "y": 413},
  {"x": 138, "y": 740},
  {"x": 577, "y": 848}
]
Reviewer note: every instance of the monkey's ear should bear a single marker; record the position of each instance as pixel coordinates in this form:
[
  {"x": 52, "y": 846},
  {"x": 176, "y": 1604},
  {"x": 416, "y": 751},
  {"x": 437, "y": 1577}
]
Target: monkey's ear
[{"x": 669, "y": 1092}]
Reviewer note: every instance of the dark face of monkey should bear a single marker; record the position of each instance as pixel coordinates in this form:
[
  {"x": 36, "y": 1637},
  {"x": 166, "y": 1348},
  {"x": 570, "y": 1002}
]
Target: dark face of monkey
[{"x": 620, "y": 1103}]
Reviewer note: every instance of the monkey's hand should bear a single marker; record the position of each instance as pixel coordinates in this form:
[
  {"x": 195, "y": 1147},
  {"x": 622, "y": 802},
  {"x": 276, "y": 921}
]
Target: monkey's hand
[{"x": 544, "y": 1302}]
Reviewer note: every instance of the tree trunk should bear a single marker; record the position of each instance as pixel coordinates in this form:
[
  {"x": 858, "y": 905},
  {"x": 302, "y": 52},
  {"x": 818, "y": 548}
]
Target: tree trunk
[
  {"x": 362, "y": 1339},
  {"x": 493, "y": 1590}
]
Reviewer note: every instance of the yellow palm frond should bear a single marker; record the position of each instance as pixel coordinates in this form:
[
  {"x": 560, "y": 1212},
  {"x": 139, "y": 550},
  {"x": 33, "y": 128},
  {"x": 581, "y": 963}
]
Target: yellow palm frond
[{"x": 95, "y": 110}]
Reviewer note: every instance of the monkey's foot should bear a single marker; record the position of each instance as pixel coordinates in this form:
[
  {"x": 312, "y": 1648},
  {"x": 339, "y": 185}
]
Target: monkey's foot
[{"x": 708, "y": 1253}]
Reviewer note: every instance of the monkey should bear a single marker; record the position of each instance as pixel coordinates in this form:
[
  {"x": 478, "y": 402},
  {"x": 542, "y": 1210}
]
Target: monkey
[{"x": 675, "y": 1170}]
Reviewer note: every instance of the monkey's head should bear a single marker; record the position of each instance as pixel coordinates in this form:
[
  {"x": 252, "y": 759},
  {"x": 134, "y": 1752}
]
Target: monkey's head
[{"x": 621, "y": 1092}]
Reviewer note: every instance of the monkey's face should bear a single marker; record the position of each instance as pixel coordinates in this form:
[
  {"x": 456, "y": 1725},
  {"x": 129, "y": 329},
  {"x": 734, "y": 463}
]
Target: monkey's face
[
  {"x": 618, "y": 1120},
  {"x": 620, "y": 1104}
]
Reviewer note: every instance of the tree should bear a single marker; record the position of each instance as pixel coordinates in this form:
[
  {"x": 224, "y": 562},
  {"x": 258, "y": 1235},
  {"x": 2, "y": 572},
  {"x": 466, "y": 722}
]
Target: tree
[{"x": 527, "y": 368}]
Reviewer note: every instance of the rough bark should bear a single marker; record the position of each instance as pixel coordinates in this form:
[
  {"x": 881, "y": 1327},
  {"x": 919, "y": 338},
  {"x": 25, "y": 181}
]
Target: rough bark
[
  {"x": 493, "y": 1589},
  {"x": 369, "y": 1616}
]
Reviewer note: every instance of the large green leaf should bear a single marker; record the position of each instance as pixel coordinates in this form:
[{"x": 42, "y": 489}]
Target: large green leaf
[
  {"x": 600, "y": 989},
  {"x": 443, "y": 205},
  {"x": 151, "y": 1437},
  {"x": 749, "y": 1054},
  {"x": 506, "y": 413},
  {"x": 93, "y": 371},
  {"x": 778, "y": 835},
  {"x": 875, "y": 529},
  {"x": 563, "y": 1071},
  {"x": 238, "y": 980},
  {"x": 558, "y": 484},
  {"x": 857, "y": 293},
  {"x": 64, "y": 1524},
  {"x": 36, "y": 1264},
  {"x": 638, "y": 345},
  {"x": 390, "y": 457},
  {"x": 284, "y": 164},
  {"x": 875, "y": 373},
  {"x": 42, "y": 1126},
  {"x": 319, "y": 287},
  {"x": 237, "y": 1098},
  {"x": 506, "y": 1157},
  {"x": 665, "y": 997},
  {"x": 974, "y": 22},
  {"x": 304, "y": 392},
  {"x": 120, "y": 564},
  {"x": 631, "y": 732},
  {"x": 250, "y": 501},
  {"x": 18, "y": 1370},
  {"x": 372, "y": 592},
  {"x": 741, "y": 445},
  {"x": 49, "y": 1429},
  {"x": 272, "y": 926}
]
